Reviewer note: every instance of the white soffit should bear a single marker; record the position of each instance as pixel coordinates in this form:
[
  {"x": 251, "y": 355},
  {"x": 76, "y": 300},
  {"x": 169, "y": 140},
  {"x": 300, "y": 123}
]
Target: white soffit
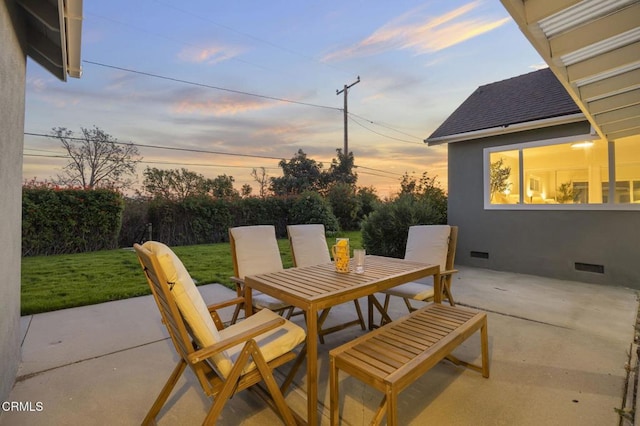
[
  {"x": 54, "y": 30},
  {"x": 593, "y": 48}
]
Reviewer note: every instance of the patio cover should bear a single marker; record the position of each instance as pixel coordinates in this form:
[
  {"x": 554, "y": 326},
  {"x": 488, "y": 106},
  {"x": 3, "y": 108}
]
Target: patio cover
[{"x": 593, "y": 48}]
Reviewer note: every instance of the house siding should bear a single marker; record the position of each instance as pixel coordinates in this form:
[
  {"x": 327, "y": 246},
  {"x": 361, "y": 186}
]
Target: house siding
[
  {"x": 540, "y": 242},
  {"x": 12, "y": 104}
]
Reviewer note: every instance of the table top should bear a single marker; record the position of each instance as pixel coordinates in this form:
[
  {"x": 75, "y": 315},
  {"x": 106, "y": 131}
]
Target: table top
[{"x": 322, "y": 286}]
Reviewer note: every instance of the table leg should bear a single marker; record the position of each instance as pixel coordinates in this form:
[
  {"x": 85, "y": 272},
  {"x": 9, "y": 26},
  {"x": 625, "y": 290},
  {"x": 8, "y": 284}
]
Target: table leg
[{"x": 312, "y": 366}]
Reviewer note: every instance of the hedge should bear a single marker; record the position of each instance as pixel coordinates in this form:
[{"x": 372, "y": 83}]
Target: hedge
[{"x": 59, "y": 221}]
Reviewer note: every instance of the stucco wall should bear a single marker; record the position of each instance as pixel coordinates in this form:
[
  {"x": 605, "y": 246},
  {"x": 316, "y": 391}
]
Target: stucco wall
[
  {"x": 546, "y": 243},
  {"x": 12, "y": 90}
]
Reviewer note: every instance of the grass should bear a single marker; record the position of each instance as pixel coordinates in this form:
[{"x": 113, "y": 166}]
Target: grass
[{"x": 64, "y": 281}]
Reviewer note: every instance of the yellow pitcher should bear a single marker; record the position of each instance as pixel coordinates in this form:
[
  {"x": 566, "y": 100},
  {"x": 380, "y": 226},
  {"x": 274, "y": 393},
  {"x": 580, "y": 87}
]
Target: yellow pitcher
[{"x": 341, "y": 254}]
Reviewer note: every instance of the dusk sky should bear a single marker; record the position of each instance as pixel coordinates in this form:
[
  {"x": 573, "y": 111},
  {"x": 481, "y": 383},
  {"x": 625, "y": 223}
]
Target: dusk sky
[{"x": 260, "y": 79}]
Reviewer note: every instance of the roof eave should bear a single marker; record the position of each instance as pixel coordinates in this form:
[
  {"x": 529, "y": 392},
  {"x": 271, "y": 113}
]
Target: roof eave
[
  {"x": 54, "y": 33},
  {"x": 510, "y": 128}
]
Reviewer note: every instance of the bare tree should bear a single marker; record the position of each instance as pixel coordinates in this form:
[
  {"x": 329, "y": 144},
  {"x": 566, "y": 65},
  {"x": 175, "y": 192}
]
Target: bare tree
[
  {"x": 263, "y": 181},
  {"x": 97, "y": 159}
]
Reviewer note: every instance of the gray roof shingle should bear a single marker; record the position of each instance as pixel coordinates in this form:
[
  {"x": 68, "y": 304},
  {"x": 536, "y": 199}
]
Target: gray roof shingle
[{"x": 533, "y": 96}]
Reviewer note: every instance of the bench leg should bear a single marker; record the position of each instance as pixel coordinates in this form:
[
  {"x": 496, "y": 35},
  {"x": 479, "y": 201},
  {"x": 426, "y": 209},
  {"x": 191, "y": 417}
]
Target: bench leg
[
  {"x": 334, "y": 398},
  {"x": 392, "y": 407},
  {"x": 484, "y": 341},
  {"x": 380, "y": 412}
]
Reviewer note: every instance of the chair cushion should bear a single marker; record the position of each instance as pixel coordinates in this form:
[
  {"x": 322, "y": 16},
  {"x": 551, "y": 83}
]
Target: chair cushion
[
  {"x": 309, "y": 244},
  {"x": 256, "y": 250},
  {"x": 428, "y": 244},
  {"x": 412, "y": 290},
  {"x": 272, "y": 344},
  {"x": 190, "y": 303}
]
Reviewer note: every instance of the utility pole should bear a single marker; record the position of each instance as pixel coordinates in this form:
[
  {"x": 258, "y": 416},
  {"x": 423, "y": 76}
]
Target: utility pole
[{"x": 345, "y": 90}]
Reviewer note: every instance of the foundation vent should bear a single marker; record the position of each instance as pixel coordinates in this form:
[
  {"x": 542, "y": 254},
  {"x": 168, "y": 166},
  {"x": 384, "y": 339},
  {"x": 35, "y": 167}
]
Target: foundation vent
[
  {"x": 589, "y": 267},
  {"x": 479, "y": 254}
]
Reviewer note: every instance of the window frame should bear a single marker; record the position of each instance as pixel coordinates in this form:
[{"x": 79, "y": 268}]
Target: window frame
[{"x": 610, "y": 205}]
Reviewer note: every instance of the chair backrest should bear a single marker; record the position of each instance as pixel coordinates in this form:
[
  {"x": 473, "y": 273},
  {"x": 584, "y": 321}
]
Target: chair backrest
[
  {"x": 308, "y": 244},
  {"x": 432, "y": 244},
  {"x": 254, "y": 250},
  {"x": 180, "y": 302}
]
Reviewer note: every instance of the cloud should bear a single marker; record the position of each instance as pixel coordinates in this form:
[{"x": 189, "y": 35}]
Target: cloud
[
  {"x": 416, "y": 32},
  {"x": 210, "y": 55},
  {"x": 218, "y": 107}
]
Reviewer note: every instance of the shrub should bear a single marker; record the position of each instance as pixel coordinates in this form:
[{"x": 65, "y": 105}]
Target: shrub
[
  {"x": 345, "y": 205},
  {"x": 385, "y": 231},
  {"x": 310, "y": 207}
]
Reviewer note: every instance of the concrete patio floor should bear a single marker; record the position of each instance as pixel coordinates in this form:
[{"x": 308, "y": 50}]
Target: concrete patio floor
[{"x": 558, "y": 351}]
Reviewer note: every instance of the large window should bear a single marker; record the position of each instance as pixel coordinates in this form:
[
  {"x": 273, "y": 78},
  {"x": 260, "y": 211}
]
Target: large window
[{"x": 564, "y": 173}]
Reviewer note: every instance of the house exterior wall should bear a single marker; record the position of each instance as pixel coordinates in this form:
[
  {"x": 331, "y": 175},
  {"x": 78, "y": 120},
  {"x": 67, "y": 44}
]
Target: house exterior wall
[
  {"x": 539, "y": 242},
  {"x": 12, "y": 103}
]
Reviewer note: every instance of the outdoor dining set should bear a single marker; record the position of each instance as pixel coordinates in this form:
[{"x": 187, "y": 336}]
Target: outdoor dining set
[{"x": 389, "y": 354}]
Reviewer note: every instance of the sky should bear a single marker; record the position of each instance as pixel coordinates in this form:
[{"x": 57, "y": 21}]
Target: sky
[{"x": 252, "y": 82}]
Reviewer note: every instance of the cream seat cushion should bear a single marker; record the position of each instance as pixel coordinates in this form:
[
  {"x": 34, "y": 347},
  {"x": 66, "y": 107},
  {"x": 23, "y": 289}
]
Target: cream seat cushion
[
  {"x": 272, "y": 344},
  {"x": 196, "y": 314},
  {"x": 426, "y": 244},
  {"x": 309, "y": 244}
]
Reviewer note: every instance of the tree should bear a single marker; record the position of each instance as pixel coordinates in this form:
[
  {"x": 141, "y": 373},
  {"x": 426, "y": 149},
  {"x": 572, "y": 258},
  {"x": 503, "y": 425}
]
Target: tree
[
  {"x": 246, "y": 190},
  {"x": 97, "y": 159},
  {"x": 345, "y": 205},
  {"x": 299, "y": 174},
  {"x": 221, "y": 187},
  {"x": 341, "y": 170},
  {"x": 368, "y": 200},
  {"x": 174, "y": 184},
  {"x": 262, "y": 179}
]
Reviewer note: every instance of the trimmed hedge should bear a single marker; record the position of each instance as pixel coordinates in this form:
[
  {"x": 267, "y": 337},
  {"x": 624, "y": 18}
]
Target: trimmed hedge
[
  {"x": 60, "y": 221},
  {"x": 205, "y": 220}
]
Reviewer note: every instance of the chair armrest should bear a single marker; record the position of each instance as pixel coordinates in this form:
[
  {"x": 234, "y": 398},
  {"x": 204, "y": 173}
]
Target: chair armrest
[
  {"x": 448, "y": 272},
  {"x": 226, "y": 303},
  {"x": 225, "y": 344},
  {"x": 237, "y": 280}
]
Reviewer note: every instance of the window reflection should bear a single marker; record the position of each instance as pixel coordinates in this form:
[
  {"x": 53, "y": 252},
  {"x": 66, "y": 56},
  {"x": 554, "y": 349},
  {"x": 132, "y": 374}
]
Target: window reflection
[{"x": 504, "y": 177}]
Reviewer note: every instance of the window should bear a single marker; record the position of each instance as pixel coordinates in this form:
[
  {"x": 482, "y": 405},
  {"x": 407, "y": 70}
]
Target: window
[{"x": 564, "y": 172}]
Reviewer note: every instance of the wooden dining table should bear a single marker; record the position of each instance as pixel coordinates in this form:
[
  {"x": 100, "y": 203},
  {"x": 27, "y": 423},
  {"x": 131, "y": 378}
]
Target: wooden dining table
[{"x": 314, "y": 288}]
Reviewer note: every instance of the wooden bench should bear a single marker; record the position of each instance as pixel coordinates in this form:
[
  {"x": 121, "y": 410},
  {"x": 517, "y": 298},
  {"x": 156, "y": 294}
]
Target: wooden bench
[{"x": 395, "y": 355}]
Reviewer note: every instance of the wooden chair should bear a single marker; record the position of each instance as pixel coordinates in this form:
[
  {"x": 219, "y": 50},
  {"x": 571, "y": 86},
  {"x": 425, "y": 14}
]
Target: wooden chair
[
  {"x": 224, "y": 360},
  {"x": 254, "y": 250},
  {"x": 428, "y": 244},
  {"x": 309, "y": 247}
]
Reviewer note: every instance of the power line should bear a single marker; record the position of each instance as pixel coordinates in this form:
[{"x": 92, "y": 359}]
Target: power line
[
  {"x": 386, "y": 126},
  {"x": 208, "y": 86},
  {"x": 381, "y": 134},
  {"x": 377, "y": 170},
  {"x": 165, "y": 147},
  {"x": 182, "y": 149}
]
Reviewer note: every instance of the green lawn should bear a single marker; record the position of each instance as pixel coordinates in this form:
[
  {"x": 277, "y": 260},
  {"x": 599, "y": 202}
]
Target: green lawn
[{"x": 65, "y": 281}]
